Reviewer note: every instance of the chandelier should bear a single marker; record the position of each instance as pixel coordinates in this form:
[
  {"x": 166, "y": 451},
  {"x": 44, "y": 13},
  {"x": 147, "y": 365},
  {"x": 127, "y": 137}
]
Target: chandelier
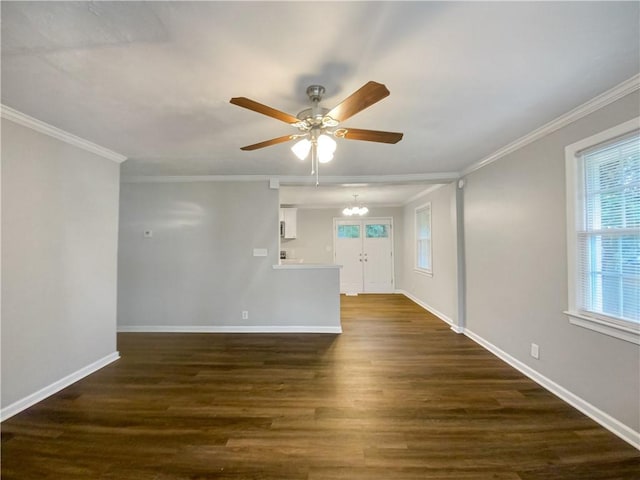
[{"x": 355, "y": 209}]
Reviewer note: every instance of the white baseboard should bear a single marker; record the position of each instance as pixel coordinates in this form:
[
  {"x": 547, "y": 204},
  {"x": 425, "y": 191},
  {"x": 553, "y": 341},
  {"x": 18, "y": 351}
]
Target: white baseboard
[
  {"x": 26, "y": 402},
  {"x": 228, "y": 329},
  {"x": 607, "y": 421},
  {"x": 457, "y": 329},
  {"x": 432, "y": 310}
]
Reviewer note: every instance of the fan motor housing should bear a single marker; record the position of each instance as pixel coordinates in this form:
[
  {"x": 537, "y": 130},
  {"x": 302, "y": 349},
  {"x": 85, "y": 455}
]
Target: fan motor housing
[
  {"x": 307, "y": 114},
  {"x": 315, "y": 92}
]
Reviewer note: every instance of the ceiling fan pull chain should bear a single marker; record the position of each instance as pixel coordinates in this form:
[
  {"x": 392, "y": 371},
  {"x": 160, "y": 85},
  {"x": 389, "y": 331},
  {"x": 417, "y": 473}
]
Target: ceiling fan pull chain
[{"x": 315, "y": 166}]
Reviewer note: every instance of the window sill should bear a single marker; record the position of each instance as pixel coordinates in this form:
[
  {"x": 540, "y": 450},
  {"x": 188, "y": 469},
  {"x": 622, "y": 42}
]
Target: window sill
[
  {"x": 629, "y": 334},
  {"x": 426, "y": 273}
]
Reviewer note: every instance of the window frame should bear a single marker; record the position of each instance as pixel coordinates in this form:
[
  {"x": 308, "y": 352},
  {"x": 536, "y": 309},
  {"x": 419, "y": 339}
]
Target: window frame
[
  {"x": 612, "y": 326},
  {"x": 416, "y": 239}
]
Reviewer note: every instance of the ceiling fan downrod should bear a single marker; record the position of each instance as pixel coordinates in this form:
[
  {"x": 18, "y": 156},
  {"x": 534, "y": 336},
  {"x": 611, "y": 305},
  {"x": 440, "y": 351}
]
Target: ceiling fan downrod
[{"x": 315, "y": 92}]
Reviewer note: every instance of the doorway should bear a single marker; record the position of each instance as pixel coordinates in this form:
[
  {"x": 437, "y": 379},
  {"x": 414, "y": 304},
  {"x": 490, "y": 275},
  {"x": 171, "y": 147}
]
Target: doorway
[{"x": 364, "y": 248}]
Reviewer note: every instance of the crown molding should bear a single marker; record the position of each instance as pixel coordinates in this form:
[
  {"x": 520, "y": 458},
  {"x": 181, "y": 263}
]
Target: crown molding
[
  {"x": 291, "y": 180},
  {"x": 602, "y": 100},
  {"x": 426, "y": 192},
  {"x": 195, "y": 178},
  {"x": 42, "y": 127},
  {"x": 339, "y": 206},
  {"x": 444, "y": 177}
]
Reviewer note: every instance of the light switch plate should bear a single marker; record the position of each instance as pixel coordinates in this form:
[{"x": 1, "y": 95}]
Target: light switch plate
[
  {"x": 148, "y": 233},
  {"x": 535, "y": 351},
  {"x": 259, "y": 252}
]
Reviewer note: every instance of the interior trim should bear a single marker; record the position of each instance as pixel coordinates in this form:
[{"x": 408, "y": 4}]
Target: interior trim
[
  {"x": 292, "y": 180},
  {"x": 228, "y": 329},
  {"x": 430, "y": 309},
  {"x": 628, "y": 334},
  {"x": 304, "y": 266},
  {"x": 29, "y": 400},
  {"x": 418, "y": 196},
  {"x": 602, "y": 100},
  {"x": 596, "y": 103},
  {"x": 55, "y": 132},
  {"x": 607, "y": 421}
]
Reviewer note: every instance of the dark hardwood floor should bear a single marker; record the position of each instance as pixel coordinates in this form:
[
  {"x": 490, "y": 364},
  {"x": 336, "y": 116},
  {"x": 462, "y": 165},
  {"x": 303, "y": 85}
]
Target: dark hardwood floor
[{"x": 397, "y": 396}]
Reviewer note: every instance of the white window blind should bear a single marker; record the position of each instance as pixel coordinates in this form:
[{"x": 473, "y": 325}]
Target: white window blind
[
  {"x": 608, "y": 232},
  {"x": 423, "y": 238}
]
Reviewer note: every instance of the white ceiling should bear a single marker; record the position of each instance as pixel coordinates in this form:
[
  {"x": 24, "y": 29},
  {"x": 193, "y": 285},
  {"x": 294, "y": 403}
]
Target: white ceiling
[{"x": 152, "y": 80}]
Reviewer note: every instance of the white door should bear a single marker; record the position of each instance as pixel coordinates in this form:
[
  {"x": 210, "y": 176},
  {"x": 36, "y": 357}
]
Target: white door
[
  {"x": 364, "y": 248},
  {"x": 348, "y": 253},
  {"x": 377, "y": 256}
]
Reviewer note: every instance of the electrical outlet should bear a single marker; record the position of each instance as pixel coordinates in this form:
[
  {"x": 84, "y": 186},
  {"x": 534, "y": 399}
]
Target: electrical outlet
[
  {"x": 245, "y": 315},
  {"x": 535, "y": 351}
]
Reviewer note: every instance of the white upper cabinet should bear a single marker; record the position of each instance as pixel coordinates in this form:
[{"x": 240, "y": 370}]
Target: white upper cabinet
[{"x": 290, "y": 218}]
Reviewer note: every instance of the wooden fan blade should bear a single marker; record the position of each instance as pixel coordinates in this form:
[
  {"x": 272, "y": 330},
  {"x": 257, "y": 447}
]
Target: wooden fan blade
[
  {"x": 371, "y": 135},
  {"x": 263, "y": 109},
  {"x": 268, "y": 143},
  {"x": 366, "y": 96}
]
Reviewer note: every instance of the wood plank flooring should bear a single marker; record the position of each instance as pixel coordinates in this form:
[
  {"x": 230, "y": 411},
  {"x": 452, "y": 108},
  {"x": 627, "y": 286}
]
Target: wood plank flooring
[{"x": 397, "y": 396}]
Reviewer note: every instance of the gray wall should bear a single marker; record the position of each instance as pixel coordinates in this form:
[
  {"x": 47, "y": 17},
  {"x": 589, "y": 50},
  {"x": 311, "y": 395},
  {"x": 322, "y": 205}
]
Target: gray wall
[
  {"x": 314, "y": 242},
  {"x": 59, "y": 251},
  {"x": 198, "y": 268},
  {"x": 516, "y": 260},
  {"x": 438, "y": 293}
]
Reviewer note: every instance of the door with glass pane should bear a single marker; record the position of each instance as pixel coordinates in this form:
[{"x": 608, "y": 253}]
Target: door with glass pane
[
  {"x": 377, "y": 256},
  {"x": 348, "y": 253},
  {"x": 364, "y": 248}
]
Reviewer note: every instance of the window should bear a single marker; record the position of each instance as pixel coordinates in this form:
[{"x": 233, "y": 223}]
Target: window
[
  {"x": 348, "y": 231},
  {"x": 603, "y": 175},
  {"x": 377, "y": 230},
  {"x": 423, "y": 239}
]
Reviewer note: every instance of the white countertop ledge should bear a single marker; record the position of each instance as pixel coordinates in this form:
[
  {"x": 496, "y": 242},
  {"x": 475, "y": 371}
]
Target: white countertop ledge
[{"x": 305, "y": 266}]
